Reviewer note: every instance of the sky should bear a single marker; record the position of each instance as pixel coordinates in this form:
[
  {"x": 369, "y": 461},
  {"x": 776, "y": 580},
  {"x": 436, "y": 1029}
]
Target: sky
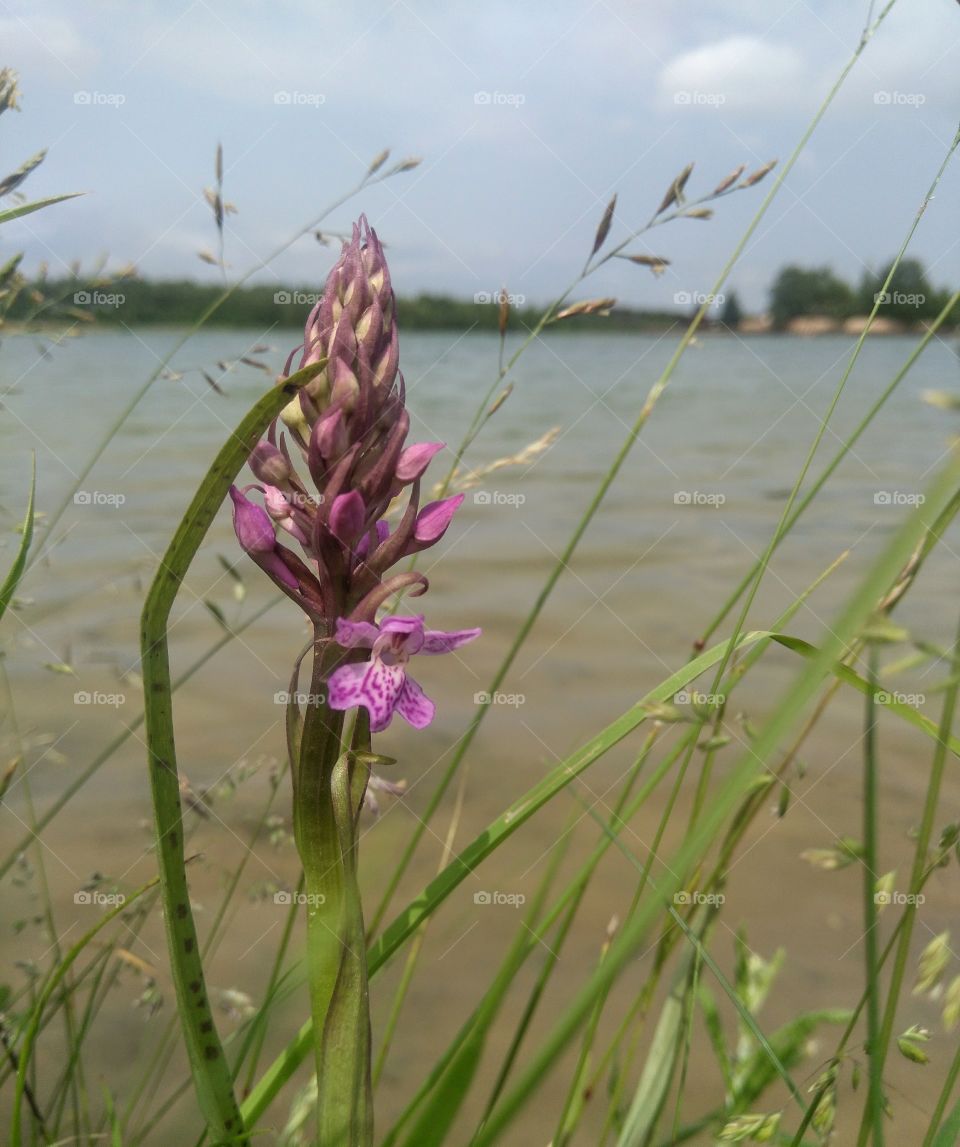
[{"x": 527, "y": 118}]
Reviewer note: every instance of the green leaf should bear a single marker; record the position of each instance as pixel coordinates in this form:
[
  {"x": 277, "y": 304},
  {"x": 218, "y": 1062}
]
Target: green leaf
[
  {"x": 37, "y": 205},
  {"x": 209, "y": 1067},
  {"x": 15, "y": 573},
  {"x": 53, "y": 981},
  {"x": 949, "y": 1133}
]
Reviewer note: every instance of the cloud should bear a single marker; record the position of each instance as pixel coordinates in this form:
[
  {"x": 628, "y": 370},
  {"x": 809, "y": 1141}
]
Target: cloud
[
  {"x": 737, "y": 73},
  {"x": 48, "y": 46}
]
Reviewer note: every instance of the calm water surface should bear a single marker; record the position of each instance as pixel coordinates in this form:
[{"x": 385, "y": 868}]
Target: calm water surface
[{"x": 693, "y": 506}]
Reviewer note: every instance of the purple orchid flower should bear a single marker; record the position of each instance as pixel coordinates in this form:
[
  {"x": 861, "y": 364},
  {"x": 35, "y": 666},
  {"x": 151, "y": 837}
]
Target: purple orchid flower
[
  {"x": 348, "y": 426},
  {"x": 382, "y": 684}
]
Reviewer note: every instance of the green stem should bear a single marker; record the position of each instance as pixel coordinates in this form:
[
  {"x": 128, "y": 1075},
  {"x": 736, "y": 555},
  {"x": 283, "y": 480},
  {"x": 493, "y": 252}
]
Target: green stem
[
  {"x": 946, "y": 1091},
  {"x": 918, "y": 873},
  {"x": 875, "y": 1089},
  {"x": 327, "y": 799}
]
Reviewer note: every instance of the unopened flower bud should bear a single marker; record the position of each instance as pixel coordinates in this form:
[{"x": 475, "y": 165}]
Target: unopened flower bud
[
  {"x": 252, "y": 524},
  {"x": 415, "y": 459},
  {"x": 433, "y": 520},
  {"x": 269, "y": 464}
]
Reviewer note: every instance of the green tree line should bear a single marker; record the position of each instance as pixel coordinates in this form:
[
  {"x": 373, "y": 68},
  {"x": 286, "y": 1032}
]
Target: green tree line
[
  {"x": 909, "y": 298},
  {"x": 796, "y": 292},
  {"x": 138, "y": 302}
]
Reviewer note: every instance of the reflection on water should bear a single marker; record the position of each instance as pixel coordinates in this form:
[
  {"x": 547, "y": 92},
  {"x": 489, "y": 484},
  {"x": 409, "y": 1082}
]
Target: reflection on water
[{"x": 693, "y": 506}]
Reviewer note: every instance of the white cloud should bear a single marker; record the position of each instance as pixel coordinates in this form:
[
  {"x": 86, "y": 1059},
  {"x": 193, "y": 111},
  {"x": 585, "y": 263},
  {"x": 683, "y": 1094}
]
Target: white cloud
[
  {"x": 45, "y": 45},
  {"x": 736, "y": 73}
]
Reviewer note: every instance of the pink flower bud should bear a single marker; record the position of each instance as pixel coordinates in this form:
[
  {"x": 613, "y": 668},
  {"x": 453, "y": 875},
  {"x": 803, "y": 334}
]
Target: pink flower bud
[
  {"x": 252, "y": 524},
  {"x": 269, "y": 464},
  {"x": 347, "y": 516},
  {"x": 415, "y": 459},
  {"x": 432, "y": 521}
]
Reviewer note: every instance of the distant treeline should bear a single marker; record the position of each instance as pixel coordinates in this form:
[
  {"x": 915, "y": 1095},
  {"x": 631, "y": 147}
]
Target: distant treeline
[
  {"x": 139, "y": 302},
  {"x": 795, "y": 293},
  {"x": 909, "y": 297}
]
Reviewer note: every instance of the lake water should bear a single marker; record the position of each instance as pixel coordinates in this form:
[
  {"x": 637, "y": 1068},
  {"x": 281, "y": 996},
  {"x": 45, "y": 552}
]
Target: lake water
[{"x": 692, "y": 508}]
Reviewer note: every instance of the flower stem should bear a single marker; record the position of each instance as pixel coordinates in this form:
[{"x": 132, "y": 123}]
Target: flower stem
[{"x": 328, "y": 794}]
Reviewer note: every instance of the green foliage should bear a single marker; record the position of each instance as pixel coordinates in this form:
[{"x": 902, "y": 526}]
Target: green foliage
[
  {"x": 909, "y": 297},
  {"x": 731, "y": 312},
  {"x": 177, "y": 302},
  {"x": 798, "y": 291},
  {"x": 15, "y": 573}
]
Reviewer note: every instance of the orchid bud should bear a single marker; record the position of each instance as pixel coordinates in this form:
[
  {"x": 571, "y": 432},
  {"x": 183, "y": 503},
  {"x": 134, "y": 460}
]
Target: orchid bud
[
  {"x": 354, "y": 326},
  {"x": 415, "y": 459},
  {"x": 347, "y": 516},
  {"x": 269, "y": 464},
  {"x": 252, "y": 525},
  {"x": 433, "y": 520},
  {"x": 293, "y": 416}
]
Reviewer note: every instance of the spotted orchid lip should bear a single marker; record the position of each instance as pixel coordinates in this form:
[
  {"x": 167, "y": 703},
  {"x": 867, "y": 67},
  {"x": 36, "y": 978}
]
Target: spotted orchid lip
[{"x": 383, "y": 685}]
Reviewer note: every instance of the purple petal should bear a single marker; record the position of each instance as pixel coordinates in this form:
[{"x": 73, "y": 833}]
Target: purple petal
[
  {"x": 356, "y": 634},
  {"x": 274, "y": 564},
  {"x": 269, "y": 464},
  {"x": 363, "y": 546},
  {"x": 276, "y": 503},
  {"x": 374, "y": 685},
  {"x": 331, "y": 435},
  {"x": 414, "y": 706},
  {"x": 347, "y": 515},
  {"x": 345, "y": 384},
  {"x": 432, "y": 521},
  {"x": 415, "y": 459},
  {"x": 252, "y": 525},
  {"x": 408, "y": 629},
  {"x": 438, "y": 641},
  {"x": 345, "y": 686}
]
